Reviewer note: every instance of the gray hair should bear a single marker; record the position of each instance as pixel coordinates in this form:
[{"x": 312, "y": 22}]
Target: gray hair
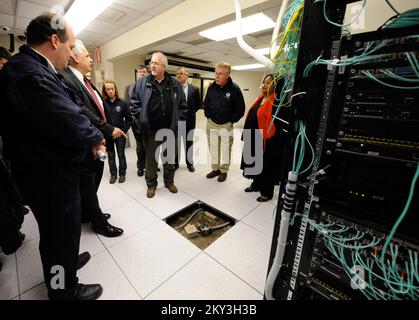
[
  {"x": 183, "y": 68},
  {"x": 164, "y": 58},
  {"x": 79, "y": 48}
]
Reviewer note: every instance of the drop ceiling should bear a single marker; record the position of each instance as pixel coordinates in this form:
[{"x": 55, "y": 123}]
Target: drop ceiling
[{"x": 123, "y": 15}]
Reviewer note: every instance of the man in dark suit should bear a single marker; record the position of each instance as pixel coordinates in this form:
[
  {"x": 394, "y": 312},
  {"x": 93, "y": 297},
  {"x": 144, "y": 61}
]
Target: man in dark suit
[
  {"x": 90, "y": 101},
  {"x": 193, "y": 100},
  {"x": 142, "y": 71},
  {"x": 46, "y": 138}
]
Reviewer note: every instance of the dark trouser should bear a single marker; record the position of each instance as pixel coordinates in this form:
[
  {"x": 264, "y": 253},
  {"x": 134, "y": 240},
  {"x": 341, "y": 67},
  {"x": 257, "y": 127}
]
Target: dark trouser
[
  {"x": 90, "y": 177},
  {"x": 141, "y": 156},
  {"x": 188, "y": 144},
  {"x": 52, "y": 192},
  {"x": 120, "y": 148},
  {"x": 265, "y": 183},
  {"x": 151, "y": 145}
]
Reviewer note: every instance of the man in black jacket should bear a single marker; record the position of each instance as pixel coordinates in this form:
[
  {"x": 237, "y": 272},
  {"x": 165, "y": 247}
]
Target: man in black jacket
[
  {"x": 223, "y": 105},
  {"x": 141, "y": 71},
  {"x": 158, "y": 101},
  {"x": 53, "y": 139},
  {"x": 90, "y": 101},
  {"x": 193, "y": 99}
]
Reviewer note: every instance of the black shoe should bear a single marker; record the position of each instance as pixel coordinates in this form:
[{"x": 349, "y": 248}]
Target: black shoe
[
  {"x": 25, "y": 210},
  {"x": 140, "y": 172},
  {"x": 176, "y": 166},
  {"x": 213, "y": 174},
  {"x": 121, "y": 179},
  {"x": 112, "y": 180},
  {"x": 251, "y": 189},
  {"x": 82, "y": 259},
  {"x": 107, "y": 215},
  {"x": 88, "y": 291},
  {"x": 108, "y": 230},
  {"x": 191, "y": 168},
  {"x": 263, "y": 199},
  {"x": 222, "y": 177}
]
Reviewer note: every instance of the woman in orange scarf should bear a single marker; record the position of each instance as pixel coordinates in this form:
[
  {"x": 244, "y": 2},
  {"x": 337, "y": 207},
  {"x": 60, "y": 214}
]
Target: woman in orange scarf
[{"x": 259, "y": 117}]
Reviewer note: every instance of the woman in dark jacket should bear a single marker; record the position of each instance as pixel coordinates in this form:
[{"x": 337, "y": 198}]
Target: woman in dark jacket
[
  {"x": 260, "y": 117},
  {"x": 120, "y": 118}
]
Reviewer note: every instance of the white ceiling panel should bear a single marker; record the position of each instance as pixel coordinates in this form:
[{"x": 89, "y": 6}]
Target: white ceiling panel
[
  {"x": 6, "y": 20},
  {"x": 86, "y": 35},
  {"x": 157, "y": 7},
  {"x": 22, "y": 23},
  {"x": 193, "y": 50},
  {"x": 30, "y": 10},
  {"x": 102, "y": 27},
  {"x": 190, "y": 38},
  {"x": 7, "y": 7},
  {"x": 138, "y": 5},
  {"x": 139, "y": 20},
  {"x": 51, "y": 3}
]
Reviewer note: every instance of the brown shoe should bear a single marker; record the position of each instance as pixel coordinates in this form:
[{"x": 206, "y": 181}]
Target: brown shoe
[
  {"x": 222, "y": 177},
  {"x": 121, "y": 179},
  {"x": 112, "y": 180},
  {"x": 172, "y": 188},
  {"x": 213, "y": 174},
  {"x": 151, "y": 192}
]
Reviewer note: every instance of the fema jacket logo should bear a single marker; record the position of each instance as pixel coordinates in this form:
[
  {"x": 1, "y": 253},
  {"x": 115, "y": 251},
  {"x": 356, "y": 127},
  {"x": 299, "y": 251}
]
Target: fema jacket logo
[
  {"x": 228, "y": 95},
  {"x": 118, "y": 109}
]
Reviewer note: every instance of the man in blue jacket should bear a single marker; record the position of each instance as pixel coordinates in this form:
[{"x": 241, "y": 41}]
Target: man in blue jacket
[
  {"x": 223, "y": 106},
  {"x": 158, "y": 101},
  {"x": 46, "y": 146}
]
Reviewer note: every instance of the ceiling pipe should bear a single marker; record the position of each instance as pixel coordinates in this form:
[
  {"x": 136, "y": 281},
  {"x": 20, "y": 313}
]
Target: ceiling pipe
[{"x": 248, "y": 49}]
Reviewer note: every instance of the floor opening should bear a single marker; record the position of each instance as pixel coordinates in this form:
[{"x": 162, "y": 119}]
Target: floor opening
[{"x": 200, "y": 223}]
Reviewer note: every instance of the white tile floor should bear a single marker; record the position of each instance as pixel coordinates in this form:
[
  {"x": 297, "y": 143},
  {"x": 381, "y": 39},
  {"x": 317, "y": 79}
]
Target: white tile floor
[{"x": 151, "y": 260}]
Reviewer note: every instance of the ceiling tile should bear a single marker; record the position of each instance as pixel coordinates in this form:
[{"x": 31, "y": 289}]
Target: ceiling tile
[
  {"x": 86, "y": 35},
  {"x": 157, "y": 7},
  {"x": 190, "y": 38},
  {"x": 139, "y": 20},
  {"x": 101, "y": 27},
  {"x": 138, "y": 5},
  {"x": 7, "y": 7},
  {"x": 6, "y": 20},
  {"x": 51, "y": 3},
  {"x": 22, "y": 23},
  {"x": 30, "y": 10},
  {"x": 193, "y": 50}
]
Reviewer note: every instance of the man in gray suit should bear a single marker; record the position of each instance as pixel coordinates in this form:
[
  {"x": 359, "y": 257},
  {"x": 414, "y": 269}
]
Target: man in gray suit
[{"x": 193, "y": 100}]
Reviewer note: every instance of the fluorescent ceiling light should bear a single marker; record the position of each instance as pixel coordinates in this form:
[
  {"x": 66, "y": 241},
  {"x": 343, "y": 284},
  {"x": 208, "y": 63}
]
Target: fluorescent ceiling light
[
  {"x": 263, "y": 51},
  {"x": 249, "y": 66},
  {"x": 251, "y": 24},
  {"x": 81, "y": 13}
]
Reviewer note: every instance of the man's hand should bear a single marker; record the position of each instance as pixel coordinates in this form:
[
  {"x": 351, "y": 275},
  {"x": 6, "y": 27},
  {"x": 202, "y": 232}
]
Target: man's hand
[
  {"x": 117, "y": 133},
  {"x": 100, "y": 147}
]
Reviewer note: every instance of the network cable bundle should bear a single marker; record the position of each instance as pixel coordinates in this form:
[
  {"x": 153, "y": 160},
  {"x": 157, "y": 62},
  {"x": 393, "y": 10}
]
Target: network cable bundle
[{"x": 347, "y": 225}]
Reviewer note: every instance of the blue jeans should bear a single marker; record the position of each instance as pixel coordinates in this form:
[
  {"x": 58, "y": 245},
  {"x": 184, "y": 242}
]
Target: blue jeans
[{"x": 120, "y": 148}]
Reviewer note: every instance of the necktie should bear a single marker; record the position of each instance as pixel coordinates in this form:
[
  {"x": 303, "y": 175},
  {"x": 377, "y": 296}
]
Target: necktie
[{"x": 93, "y": 94}]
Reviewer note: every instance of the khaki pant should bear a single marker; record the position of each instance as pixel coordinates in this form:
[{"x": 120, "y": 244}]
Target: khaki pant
[{"x": 220, "y": 141}]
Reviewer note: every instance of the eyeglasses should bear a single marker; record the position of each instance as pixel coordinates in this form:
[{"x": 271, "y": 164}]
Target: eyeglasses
[
  {"x": 155, "y": 63},
  {"x": 221, "y": 74}
]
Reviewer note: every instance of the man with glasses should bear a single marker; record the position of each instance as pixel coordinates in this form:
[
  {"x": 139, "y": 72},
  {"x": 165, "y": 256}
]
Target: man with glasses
[
  {"x": 223, "y": 106},
  {"x": 158, "y": 101}
]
